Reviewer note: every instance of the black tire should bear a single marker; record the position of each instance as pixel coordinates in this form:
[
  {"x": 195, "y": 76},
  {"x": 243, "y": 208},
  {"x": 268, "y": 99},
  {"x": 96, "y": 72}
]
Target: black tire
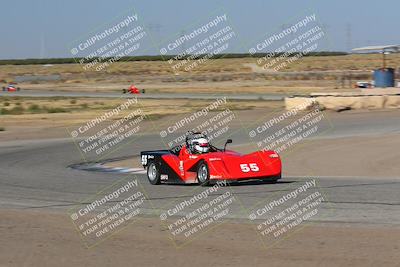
[
  {"x": 276, "y": 178},
  {"x": 203, "y": 174},
  {"x": 4, "y": 88},
  {"x": 153, "y": 173},
  {"x": 143, "y": 91},
  {"x": 124, "y": 91}
]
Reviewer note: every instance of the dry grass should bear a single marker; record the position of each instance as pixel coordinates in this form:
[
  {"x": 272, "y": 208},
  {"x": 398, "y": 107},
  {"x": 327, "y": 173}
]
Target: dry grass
[
  {"x": 28, "y": 125},
  {"x": 234, "y": 65},
  {"x": 218, "y": 76},
  {"x": 21, "y": 105},
  {"x": 78, "y": 110}
]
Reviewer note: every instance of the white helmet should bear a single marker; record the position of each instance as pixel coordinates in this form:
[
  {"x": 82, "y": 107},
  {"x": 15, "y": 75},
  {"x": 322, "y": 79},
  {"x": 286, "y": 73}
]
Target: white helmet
[{"x": 200, "y": 145}]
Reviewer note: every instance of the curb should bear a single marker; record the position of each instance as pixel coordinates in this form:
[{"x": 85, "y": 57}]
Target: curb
[{"x": 99, "y": 167}]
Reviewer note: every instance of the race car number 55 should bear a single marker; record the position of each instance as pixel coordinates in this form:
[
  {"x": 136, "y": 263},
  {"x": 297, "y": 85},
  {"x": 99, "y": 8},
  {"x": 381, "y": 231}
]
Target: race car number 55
[
  {"x": 145, "y": 159},
  {"x": 249, "y": 167}
]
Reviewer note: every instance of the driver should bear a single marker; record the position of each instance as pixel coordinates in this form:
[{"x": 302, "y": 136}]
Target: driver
[{"x": 199, "y": 145}]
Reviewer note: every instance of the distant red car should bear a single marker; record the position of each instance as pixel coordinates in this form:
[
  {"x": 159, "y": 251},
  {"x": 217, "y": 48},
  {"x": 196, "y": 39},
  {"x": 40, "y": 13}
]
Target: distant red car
[
  {"x": 197, "y": 161},
  {"x": 11, "y": 88},
  {"x": 132, "y": 90}
]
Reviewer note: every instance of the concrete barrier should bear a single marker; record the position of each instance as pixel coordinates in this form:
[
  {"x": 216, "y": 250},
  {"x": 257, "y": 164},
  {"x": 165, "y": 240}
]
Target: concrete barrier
[{"x": 344, "y": 102}]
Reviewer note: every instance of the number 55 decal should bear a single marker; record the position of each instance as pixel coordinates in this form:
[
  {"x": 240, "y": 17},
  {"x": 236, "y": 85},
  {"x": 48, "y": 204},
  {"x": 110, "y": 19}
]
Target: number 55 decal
[
  {"x": 144, "y": 159},
  {"x": 249, "y": 167}
]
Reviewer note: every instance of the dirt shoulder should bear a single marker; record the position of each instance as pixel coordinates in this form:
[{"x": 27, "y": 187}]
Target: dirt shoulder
[
  {"x": 31, "y": 118},
  {"x": 33, "y": 238}
]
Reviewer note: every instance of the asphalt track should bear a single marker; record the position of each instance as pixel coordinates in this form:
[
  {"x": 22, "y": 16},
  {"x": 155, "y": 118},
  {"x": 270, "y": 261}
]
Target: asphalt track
[
  {"x": 270, "y": 97},
  {"x": 34, "y": 174}
]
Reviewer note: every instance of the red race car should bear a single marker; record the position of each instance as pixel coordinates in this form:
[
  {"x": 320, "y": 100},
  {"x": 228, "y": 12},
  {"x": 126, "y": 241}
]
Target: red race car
[
  {"x": 197, "y": 161},
  {"x": 133, "y": 90},
  {"x": 11, "y": 88}
]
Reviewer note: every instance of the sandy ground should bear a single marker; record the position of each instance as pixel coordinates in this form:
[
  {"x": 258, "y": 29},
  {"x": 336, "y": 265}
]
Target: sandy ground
[
  {"x": 49, "y": 239},
  {"x": 365, "y": 156}
]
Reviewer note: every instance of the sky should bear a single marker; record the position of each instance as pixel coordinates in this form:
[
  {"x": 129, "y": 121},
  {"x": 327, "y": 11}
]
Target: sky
[{"x": 50, "y": 28}]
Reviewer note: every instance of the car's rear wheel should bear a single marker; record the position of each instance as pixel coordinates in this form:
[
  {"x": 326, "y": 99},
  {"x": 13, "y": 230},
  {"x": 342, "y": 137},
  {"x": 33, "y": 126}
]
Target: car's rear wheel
[
  {"x": 203, "y": 174},
  {"x": 153, "y": 173}
]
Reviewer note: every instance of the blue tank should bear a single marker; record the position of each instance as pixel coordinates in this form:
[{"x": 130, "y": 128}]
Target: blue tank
[{"x": 384, "y": 77}]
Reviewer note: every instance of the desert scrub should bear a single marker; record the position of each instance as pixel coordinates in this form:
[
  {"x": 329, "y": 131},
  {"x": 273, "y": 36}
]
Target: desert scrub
[
  {"x": 34, "y": 108},
  {"x": 54, "y": 110},
  {"x": 17, "y": 110}
]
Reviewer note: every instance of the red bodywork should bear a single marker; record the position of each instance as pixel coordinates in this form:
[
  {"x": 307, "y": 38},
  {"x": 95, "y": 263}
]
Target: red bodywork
[
  {"x": 226, "y": 165},
  {"x": 133, "y": 90},
  {"x": 11, "y": 88}
]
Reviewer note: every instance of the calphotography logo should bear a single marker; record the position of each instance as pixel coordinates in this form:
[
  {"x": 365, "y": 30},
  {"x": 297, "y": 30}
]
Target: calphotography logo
[
  {"x": 194, "y": 47},
  {"x": 288, "y": 46},
  {"x": 213, "y": 119},
  {"x": 287, "y": 212},
  {"x": 101, "y": 48},
  {"x": 109, "y": 131},
  {"x": 195, "y": 216},
  {"x": 109, "y": 211},
  {"x": 285, "y": 130}
]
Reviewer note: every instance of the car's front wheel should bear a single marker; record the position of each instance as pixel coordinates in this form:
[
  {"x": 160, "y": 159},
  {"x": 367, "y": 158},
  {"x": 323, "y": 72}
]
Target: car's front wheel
[
  {"x": 153, "y": 173},
  {"x": 275, "y": 179},
  {"x": 203, "y": 174}
]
